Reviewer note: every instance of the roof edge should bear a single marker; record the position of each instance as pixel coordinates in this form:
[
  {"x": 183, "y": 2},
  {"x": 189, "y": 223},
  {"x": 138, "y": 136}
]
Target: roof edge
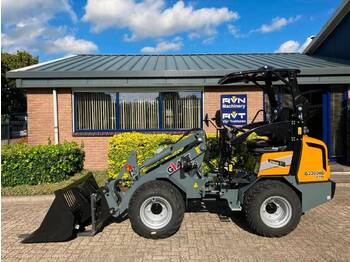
[
  {"x": 161, "y": 83},
  {"x": 341, "y": 70},
  {"x": 328, "y": 28},
  {"x": 40, "y": 64}
]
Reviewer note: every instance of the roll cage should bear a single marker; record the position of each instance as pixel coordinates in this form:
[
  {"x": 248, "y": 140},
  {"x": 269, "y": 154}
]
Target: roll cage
[
  {"x": 269, "y": 79},
  {"x": 284, "y": 129}
]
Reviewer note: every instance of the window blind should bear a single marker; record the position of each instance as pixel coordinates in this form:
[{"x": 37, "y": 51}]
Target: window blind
[
  {"x": 139, "y": 110},
  {"x": 95, "y": 111},
  {"x": 181, "y": 110}
]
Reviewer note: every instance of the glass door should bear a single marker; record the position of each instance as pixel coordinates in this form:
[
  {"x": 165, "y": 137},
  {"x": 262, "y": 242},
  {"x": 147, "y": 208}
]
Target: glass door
[{"x": 338, "y": 127}]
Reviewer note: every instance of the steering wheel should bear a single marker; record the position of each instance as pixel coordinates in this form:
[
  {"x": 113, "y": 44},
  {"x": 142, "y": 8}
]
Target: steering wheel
[
  {"x": 232, "y": 132},
  {"x": 236, "y": 129},
  {"x": 274, "y": 113}
]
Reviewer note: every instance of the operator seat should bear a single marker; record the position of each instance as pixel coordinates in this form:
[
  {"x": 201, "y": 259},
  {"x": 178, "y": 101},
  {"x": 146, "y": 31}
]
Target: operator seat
[
  {"x": 285, "y": 110},
  {"x": 284, "y": 114},
  {"x": 276, "y": 142}
]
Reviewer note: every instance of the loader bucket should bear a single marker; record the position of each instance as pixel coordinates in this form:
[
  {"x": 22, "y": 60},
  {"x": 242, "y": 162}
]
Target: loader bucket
[{"x": 73, "y": 208}]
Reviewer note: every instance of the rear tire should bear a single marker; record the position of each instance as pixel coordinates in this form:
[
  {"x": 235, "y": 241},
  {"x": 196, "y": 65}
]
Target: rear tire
[
  {"x": 156, "y": 210},
  {"x": 272, "y": 208}
]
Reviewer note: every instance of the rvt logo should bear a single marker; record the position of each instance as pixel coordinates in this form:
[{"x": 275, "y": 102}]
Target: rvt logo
[
  {"x": 233, "y": 115},
  {"x": 234, "y": 100}
]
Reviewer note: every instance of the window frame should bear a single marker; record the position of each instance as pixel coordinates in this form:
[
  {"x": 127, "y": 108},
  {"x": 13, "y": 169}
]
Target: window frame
[{"x": 117, "y": 110}]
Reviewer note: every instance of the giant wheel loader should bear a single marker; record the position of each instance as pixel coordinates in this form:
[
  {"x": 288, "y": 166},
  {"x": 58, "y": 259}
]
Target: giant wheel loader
[{"x": 288, "y": 174}]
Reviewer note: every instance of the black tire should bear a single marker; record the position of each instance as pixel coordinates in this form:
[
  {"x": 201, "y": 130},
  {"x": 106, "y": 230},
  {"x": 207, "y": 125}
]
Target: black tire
[
  {"x": 254, "y": 199},
  {"x": 162, "y": 190}
]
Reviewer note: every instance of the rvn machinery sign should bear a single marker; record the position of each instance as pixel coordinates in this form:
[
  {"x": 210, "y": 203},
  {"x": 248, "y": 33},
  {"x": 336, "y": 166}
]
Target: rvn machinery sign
[{"x": 234, "y": 109}]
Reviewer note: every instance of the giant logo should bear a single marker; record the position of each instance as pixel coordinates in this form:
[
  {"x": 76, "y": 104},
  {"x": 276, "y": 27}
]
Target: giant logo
[{"x": 176, "y": 165}]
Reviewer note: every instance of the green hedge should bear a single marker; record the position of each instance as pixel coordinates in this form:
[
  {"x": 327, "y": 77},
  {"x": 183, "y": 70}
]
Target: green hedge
[
  {"x": 146, "y": 145},
  {"x": 25, "y": 164},
  {"x": 121, "y": 145}
]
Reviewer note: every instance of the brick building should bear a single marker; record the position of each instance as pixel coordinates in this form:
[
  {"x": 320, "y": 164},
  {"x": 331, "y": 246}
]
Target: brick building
[{"x": 88, "y": 98}]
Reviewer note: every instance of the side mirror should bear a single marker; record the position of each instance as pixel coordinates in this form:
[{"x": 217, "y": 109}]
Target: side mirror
[
  {"x": 206, "y": 120},
  {"x": 218, "y": 120}
]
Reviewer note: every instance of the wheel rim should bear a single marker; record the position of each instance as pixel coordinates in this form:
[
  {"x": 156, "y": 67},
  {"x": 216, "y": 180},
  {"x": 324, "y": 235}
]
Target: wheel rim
[
  {"x": 276, "y": 211},
  {"x": 155, "y": 212}
]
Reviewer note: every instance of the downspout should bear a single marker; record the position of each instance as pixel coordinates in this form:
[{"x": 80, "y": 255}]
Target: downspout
[{"x": 55, "y": 116}]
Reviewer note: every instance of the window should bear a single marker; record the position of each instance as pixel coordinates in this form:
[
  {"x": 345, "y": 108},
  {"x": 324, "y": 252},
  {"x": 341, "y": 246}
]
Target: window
[
  {"x": 181, "y": 110},
  {"x": 102, "y": 111},
  {"x": 139, "y": 110},
  {"x": 95, "y": 111},
  {"x": 338, "y": 121}
]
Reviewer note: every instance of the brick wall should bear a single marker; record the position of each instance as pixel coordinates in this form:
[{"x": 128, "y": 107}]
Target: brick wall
[
  {"x": 212, "y": 100},
  {"x": 95, "y": 147},
  {"x": 40, "y": 119},
  {"x": 40, "y": 116},
  {"x": 40, "y": 125}
]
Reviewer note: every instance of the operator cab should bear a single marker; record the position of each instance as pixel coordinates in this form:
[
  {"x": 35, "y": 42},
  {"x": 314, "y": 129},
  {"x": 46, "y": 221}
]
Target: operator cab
[
  {"x": 282, "y": 123},
  {"x": 278, "y": 116}
]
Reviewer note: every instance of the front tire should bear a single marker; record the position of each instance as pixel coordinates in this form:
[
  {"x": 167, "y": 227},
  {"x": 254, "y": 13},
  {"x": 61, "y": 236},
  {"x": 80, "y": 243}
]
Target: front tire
[
  {"x": 156, "y": 210},
  {"x": 272, "y": 208}
]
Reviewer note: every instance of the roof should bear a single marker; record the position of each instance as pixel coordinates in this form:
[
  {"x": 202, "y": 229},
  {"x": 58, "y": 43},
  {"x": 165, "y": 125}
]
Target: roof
[
  {"x": 202, "y": 69},
  {"x": 329, "y": 27},
  {"x": 91, "y": 66}
]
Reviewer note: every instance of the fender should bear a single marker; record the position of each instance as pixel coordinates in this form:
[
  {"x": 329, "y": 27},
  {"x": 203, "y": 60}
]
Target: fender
[{"x": 311, "y": 194}]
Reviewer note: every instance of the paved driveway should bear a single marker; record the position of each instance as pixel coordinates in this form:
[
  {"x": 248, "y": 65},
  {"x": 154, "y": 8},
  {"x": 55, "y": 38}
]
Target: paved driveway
[{"x": 322, "y": 235}]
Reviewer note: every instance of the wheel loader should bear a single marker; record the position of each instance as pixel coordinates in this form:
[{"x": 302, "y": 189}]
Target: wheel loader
[{"x": 271, "y": 170}]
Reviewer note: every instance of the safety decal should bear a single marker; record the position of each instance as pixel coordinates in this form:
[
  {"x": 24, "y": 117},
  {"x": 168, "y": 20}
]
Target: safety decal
[
  {"x": 198, "y": 150},
  {"x": 272, "y": 163},
  {"x": 277, "y": 162}
]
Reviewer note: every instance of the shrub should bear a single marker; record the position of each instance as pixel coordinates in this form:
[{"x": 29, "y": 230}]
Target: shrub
[
  {"x": 26, "y": 164},
  {"x": 146, "y": 145},
  {"x": 121, "y": 145}
]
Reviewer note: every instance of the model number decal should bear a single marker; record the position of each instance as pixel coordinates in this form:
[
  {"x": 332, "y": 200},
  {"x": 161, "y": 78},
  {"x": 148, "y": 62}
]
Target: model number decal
[{"x": 318, "y": 174}]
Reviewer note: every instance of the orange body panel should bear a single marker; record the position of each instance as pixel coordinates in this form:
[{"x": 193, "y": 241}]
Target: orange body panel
[
  {"x": 275, "y": 163},
  {"x": 314, "y": 165}
]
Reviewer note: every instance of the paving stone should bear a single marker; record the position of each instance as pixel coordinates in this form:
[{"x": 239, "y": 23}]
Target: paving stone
[{"x": 322, "y": 235}]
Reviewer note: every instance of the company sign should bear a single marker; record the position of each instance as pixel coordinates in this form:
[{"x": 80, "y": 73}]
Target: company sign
[{"x": 234, "y": 109}]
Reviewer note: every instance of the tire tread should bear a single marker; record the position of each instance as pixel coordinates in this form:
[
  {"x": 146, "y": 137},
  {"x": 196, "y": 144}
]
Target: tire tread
[
  {"x": 178, "y": 211},
  {"x": 253, "y": 219}
]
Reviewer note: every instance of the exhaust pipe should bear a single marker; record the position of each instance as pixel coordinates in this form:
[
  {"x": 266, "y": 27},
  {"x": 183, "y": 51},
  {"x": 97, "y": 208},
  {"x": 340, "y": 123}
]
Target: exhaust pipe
[{"x": 74, "y": 207}]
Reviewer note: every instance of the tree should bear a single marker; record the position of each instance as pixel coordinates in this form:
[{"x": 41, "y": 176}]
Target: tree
[{"x": 13, "y": 100}]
